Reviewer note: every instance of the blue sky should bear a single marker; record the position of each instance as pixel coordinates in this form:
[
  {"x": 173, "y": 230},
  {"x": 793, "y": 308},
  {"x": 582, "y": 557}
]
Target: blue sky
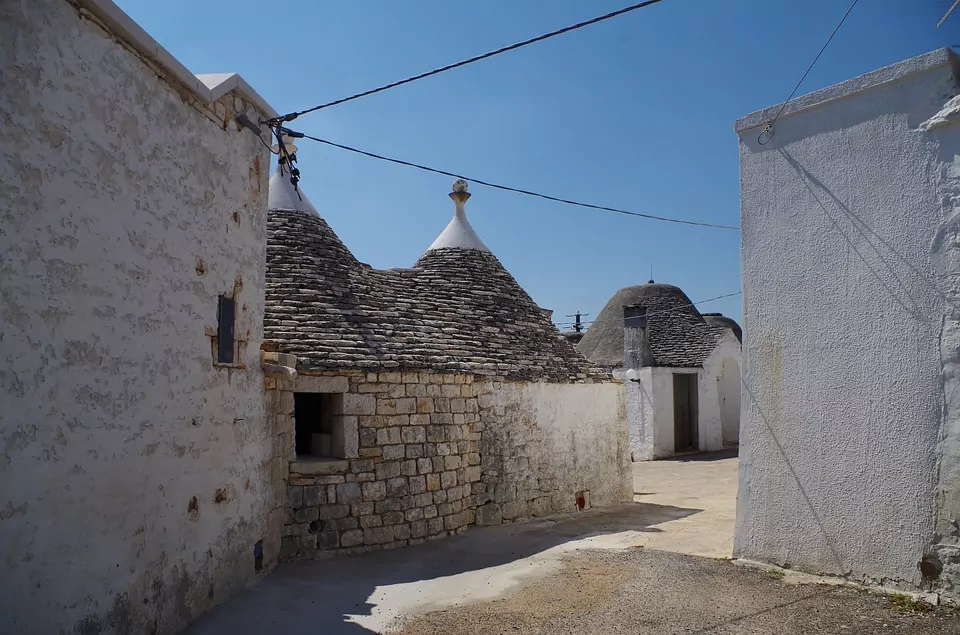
[{"x": 636, "y": 113}]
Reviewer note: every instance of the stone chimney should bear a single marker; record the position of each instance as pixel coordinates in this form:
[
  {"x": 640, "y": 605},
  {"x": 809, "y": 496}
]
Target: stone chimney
[{"x": 637, "y": 353}]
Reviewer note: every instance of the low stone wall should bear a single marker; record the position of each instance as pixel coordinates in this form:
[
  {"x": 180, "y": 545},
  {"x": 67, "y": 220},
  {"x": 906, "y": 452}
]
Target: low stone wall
[
  {"x": 414, "y": 444},
  {"x": 408, "y": 475}
]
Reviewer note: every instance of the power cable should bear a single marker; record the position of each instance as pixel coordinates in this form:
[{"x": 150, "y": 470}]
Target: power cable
[
  {"x": 514, "y": 189},
  {"x": 640, "y": 5},
  {"x": 768, "y": 129},
  {"x": 671, "y": 310}
]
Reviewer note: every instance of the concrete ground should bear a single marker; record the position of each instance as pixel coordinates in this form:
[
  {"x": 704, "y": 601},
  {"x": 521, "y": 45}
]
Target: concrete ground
[{"x": 596, "y": 571}]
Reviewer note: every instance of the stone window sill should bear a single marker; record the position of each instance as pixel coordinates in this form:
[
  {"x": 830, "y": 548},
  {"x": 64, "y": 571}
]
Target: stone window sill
[{"x": 319, "y": 466}]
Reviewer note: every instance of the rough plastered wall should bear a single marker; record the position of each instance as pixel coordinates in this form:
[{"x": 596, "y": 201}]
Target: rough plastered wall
[
  {"x": 846, "y": 318},
  {"x": 549, "y": 448},
  {"x": 641, "y": 410},
  {"x": 134, "y": 474},
  {"x": 710, "y": 399}
]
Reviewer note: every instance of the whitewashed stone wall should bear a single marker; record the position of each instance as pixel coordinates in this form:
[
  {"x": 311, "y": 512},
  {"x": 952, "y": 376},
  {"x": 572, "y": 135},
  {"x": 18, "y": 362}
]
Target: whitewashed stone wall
[
  {"x": 436, "y": 452},
  {"x": 549, "y": 448},
  {"x": 849, "y": 432},
  {"x": 134, "y": 473}
]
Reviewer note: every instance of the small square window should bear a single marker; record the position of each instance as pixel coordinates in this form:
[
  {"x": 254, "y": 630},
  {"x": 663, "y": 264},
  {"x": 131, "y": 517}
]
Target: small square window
[{"x": 318, "y": 422}]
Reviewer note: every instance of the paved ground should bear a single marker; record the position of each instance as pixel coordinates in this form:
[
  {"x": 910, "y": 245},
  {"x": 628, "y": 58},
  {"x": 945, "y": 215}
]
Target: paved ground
[{"x": 596, "y": 571}]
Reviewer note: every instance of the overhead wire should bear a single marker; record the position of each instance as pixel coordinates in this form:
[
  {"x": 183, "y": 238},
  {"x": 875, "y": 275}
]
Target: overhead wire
[
  {"x": 516, "y": 190},
  {"x": 768, "y": 128},
  {"x": 546, "y": 36},
  {"x": 663, "y": 311}
]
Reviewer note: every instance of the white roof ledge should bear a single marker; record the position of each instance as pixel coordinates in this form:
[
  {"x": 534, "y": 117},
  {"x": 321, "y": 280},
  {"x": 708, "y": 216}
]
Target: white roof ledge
[{"x": 208, "y": 88}]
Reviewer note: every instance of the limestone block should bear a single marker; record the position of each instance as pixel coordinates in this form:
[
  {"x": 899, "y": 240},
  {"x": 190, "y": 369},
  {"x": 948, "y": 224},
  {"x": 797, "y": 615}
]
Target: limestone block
[
  {"x": 367, "y": 437},
  {"x": 341, "y": 524},
  {"x": 435, "y": 525},
  {"x": 407, "y": 405},
  {"x": 374, "y": 421},
  {"x": 393, "y": 518},
  {"x": 370, "y": 452},
  {"x": 390, "y": 378},
  {"x": 377, "y": 535},
  {"x": 424, "y": 466},
  {"x": 472, "y": 474},
  {"x": 348, "y": 493},
  {"x": 417, "y": 484},
  {"x": 397, "y": 486},
  {"x": 433, "y": 482},
  {"x": 458, "y": 405},
  {"x": 401, "y": 532},
  {"x": 357, "y": 404},
  {"x": 413, "y": 434},
  {"x": 396, "y": 391},
  {"x": 361, "y": 465},
  {"x": 351, "y": 436},
  {"x": 386, "y": 406},
  {"x": 388, "y": 436},
  {"x": 365, "y": 388},
  {"x": 408, "y": 468},
  {"x": 422, "y": 500},
  {"x": 285, "y": 403},
  {"x": 328, "y": 540},
  {"x": 450, "y": 391},
  {"x": 295, "y": 497},
  {"x": 351, "y": 538},
  {"x": 329, "y": 512},
  {"x": 374, "y": 491},
  {"x": 366, "y": 477},
  {"x": 434, "y": 391},
  {"x": 314, "y": 383},
  {"x": 414, "y": 451},
  {"x": 418, "y": 528},
  {"x": 452, "y": 462},
  {"x": 440, "y": 405},
  {"x": 416, "y": 390},
  {"x": 371, "y": 521},
  {"x": 436, "y": 433},
  {"x": 314, "y": 495},
  {"x": 440, "y": 496},
  {"x": 361, "y": 509},
  {"x": 398, "y": 420},
  {"x": 430, "y": 511},
  {"x": 388, "y": 505},
  {"x": 445, "y": 509},
  {"x": 419, "y": 420},
  {"x": 424, "y": 405},
  {"x": 390, "y": 469}
]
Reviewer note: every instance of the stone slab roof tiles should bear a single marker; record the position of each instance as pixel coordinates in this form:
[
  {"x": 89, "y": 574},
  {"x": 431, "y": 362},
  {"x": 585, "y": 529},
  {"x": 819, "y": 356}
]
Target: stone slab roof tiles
[
  {"x": 456, "y": 310},
  {"x": 679, "y": 336}
]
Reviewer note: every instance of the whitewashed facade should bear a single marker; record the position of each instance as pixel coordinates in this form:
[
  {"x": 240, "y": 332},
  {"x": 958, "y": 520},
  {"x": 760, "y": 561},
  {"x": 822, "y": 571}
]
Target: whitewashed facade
[
  {"x": 135, "y": 469},
  {"x": 850, "y": 448}
]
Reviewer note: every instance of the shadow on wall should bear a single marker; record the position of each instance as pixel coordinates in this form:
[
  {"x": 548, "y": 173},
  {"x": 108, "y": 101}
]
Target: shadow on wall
[{"x": 323, "y": 595}]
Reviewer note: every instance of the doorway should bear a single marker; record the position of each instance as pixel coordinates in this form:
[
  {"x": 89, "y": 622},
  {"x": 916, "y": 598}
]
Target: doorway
[{"x": 686, "y": 438}]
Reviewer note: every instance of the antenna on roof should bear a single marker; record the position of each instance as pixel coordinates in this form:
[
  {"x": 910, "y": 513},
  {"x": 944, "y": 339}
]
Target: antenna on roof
[{"x": 577, "y": 324}]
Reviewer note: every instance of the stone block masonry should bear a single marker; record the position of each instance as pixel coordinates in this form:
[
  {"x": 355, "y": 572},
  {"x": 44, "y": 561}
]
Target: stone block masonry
[
  {"x": 437, "y": 452},
  {"x": 417, "y": 460}
]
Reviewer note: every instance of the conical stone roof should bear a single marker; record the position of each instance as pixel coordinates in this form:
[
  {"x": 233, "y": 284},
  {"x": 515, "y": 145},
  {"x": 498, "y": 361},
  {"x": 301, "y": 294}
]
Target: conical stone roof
[
  {"x": 679, "y": 336},
  {"x": 719, "y": 319},
  {"x": 456, "y": 310}
]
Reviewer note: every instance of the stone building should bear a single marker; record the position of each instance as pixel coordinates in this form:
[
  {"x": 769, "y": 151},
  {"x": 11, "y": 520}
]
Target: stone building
[
  {"x": 135, "y": 460},
  {"x": 683, "y": 389},
  {"x": 850, "y": 460},
  {"x": 412, "y": 403}
]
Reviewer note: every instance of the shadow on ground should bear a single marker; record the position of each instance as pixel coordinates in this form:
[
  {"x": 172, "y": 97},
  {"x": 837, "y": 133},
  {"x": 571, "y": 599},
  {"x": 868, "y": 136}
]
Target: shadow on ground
[
  {"x": 720, "y": 455},
  {"x": 320, "y": 596}
]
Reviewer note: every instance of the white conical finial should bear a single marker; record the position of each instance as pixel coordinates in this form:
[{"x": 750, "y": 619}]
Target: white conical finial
[
  {"x": 282, "y": 196},
  {"x": 459, "y": 233}
]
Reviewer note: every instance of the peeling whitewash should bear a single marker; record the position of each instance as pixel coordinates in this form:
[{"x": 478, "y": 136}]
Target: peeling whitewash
[
  {"x": 850, "y": 448},
  {"x": 134, "y": 474},
  {"x": 549, "y": 447}
]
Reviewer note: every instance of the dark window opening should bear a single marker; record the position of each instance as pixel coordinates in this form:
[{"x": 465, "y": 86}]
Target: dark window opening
[
  {"x": 258, "y": 555},
  {"x": 318, "y": 421},
  {"x": 226, "y": 313}
]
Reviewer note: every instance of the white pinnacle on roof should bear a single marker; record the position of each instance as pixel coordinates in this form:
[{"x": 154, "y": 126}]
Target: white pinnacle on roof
[
  {"x": 459, "y": 233},
  {"x": 283, "y": 196}
]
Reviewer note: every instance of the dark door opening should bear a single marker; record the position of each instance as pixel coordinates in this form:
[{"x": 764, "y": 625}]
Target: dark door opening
[
  {"x": 318, "y": 424},
  {"x": 686, "y": 438}
]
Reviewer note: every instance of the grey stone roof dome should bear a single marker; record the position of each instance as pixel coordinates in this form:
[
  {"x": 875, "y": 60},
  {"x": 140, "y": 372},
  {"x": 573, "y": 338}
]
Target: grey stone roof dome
[
  {"x": 455, "y": 310},
  {"x": 679, "y": 336},
  {"x": 719, "y": 319}
]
